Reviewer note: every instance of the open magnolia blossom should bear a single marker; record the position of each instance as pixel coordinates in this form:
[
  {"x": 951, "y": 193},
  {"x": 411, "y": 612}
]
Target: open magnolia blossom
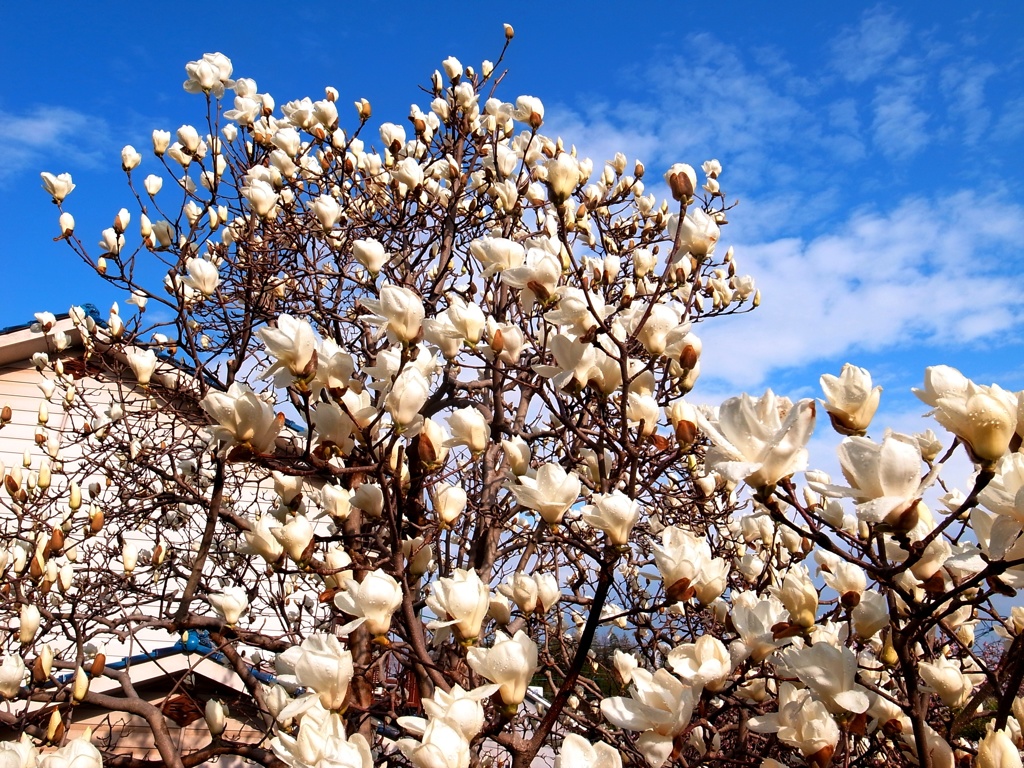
[
  {"x": 402, "y": 457},
  {"x": 371, "y": 601},
  {"x": 760, "y": 441}
]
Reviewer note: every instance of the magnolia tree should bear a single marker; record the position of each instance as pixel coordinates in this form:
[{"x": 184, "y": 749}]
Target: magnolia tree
[{"x": 405, "y": 433}]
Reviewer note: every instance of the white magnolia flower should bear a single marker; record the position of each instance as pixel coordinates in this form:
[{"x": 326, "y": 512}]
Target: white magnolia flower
[
  {"x": 202, "y": 276},
  {"x": 946, "y": 678},
  {"x": 243, "y": 418},
  {"x": 58, "y": 187},
  {"x": 760, "y": 441},
  {"x": 849, "y": 399},
  {"x": 577, "y": 752},
  {"x": 322, "y": 664},
  {"x": 293, "y": 346},
  {"x": 984, "y": 418},
  {"x": 497, "y": 254},
  {"x": 77, "y": 753},
  {"x": 660, "y": 706},
  {"x": 143, "y": 364},
  {"x": 372, "y": 601},
  {"x": 407, "y": 397},
  {"x": 399, "y": 311},
  {"x": 260, "y": 540},
  {"x": 370, "y": 253},
  {"x": 459, "y": 708},
  {"x": 754, "y": 620},
  {"x": 801, "y": 722},
  {"x": 12, "y": 673},
  {"x": 997, "y": 750},
  {"x": 831, "y": 673},
  {"x": 529, "y": 109},
  {"x": 321, "y": 742},
  {"x": 614, "y": 513},
  {"x": 538, "y": 276},
  {"x": 460, "y": 601},
  {"x": 295, "y": 536},
  {"x": 230, "y": 603},
  {"x": 705, "y": 663},
  {"x": 551, "y": 493},
  {"x": 469, "y": 428},
  {"x": 510, "y": 663},
  {"x": 210, "y": 74},
  {"x": 698, "y": 233},
  {"x": 441, "y": 746},
  {"x": 885, "y": 478}
]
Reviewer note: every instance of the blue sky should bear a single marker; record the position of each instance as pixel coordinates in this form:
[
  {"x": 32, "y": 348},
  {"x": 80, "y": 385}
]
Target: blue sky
[{"x": 876, "y": 149}]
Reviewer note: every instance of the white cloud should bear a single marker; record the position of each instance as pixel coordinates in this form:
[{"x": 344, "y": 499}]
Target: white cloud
[
  {"x": 868, "y": 50},
  {"x": 900, "y": 124},
  {"x": 965, "y": 90},
  {"x": 38, "y": 137},
  {"x": 883, "y": 282}
]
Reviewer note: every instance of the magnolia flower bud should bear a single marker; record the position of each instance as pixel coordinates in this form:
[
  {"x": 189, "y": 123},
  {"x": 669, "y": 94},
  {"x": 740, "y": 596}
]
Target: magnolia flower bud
[
  {"x": 80, "y": 688},
  {"x": 850, "y": 401},
  {"x": 45, "y": 664},
  {"x": 682, "y": 180},
  {"x": 67, "y": 224},
  {"x": 129, "y": 557},
  {"x": 449, "y": 502},
  {"x": 130, "y": 159},
  {"x": 153, "y": 184},
  {"x": 563, "y": 174},
  {"x": 161, "y": 141},
  {"x": 216, "y": 717},
  {"x": 452, "y": 68},
  {"x": 29, "y": 620}
]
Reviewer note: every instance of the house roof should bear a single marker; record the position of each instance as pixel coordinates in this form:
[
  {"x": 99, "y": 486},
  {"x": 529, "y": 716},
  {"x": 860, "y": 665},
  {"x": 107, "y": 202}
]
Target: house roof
[{"x": 20, "y": 342}]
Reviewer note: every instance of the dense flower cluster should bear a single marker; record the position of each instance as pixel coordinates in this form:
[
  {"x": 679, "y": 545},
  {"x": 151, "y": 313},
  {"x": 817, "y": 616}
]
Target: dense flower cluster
[{"x": 410, "y": 431}]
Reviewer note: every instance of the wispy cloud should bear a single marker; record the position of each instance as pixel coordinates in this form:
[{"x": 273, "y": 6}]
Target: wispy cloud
[
  {"x": 964, "y": 87},
  {"x": 868, "y": 49},
  {"x": 40, "y": 136},
  {"x": 900, "y": 124}
]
